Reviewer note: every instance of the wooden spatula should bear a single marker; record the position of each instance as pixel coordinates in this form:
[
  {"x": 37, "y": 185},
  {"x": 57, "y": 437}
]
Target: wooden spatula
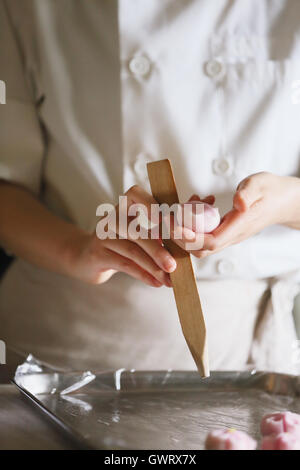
[{"x": 183, "y": 279}]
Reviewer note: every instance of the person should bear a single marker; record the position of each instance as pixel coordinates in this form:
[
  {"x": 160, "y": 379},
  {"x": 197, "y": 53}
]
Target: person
[{"x": 94, "y": 91}]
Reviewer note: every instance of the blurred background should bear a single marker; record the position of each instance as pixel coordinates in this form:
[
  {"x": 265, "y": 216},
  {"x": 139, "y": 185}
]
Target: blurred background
[{"x": 4, "y": 262}]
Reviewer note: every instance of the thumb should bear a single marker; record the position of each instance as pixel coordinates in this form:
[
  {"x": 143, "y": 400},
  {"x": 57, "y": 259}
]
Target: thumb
[{"x": 247, "y": 193}]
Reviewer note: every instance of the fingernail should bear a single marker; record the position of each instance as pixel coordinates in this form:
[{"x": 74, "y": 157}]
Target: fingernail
[
  {"x": 188, "y": 234},
  {"x": 169, "y": 264},
  {"x": 195, "y": 197}
]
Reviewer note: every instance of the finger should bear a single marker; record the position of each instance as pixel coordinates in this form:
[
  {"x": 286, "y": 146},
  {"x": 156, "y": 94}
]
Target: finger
[
  {"x": 209, "y": 199},
  {"x": 248, "y": 192},
  {"x": 216, "y": 240},
  {"x": 123, "y": 264},
  {"x": 153, "y": 247},
  {"x": 240, "y": 201},
  {"x": 135, "y": 253},
  {"x": 194, "y": 197},
  {"x": 185, "y": 238},
  {"x": 158, "y": 254},
  {"x": 202, "y": 254},
  {"x": 227, "y": 232},
  {"x": 137, "y": 195}
]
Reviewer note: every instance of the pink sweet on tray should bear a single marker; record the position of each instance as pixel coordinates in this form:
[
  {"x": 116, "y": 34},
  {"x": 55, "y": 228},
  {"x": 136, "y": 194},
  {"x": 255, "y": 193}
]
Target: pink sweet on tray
[
  {"x": 282, "y": 422},
  {"x": 281, "y": 441},
  {"x": 229, "y": 439}
]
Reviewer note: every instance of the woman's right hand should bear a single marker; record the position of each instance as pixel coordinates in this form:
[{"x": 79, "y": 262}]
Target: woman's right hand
[{"x": 95, "y": 261}]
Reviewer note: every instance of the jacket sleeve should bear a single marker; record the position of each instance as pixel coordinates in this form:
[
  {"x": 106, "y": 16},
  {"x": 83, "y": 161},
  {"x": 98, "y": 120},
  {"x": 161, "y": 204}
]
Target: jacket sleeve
[{"x": 21, "y": 140}]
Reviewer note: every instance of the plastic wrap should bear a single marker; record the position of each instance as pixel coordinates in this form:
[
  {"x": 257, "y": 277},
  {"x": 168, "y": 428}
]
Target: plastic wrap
[{"x": 156, "y": 409}]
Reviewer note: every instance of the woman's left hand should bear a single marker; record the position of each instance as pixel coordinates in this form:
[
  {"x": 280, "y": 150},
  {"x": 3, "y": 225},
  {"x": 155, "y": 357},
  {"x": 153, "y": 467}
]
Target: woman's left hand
[{"x": 261, "y": 200}]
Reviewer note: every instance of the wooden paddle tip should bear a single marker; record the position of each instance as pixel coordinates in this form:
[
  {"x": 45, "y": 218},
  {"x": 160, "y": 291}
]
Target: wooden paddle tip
[
  {"x": 203, "y": 368},
  {"x": 200, "y": 357},
  {"x": 204, "y": 373}
]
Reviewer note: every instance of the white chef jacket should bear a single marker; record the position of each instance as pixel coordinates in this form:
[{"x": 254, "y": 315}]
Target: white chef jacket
[
  {"x": 95, "y": 89},
  {"x": 207, "y": 84}
]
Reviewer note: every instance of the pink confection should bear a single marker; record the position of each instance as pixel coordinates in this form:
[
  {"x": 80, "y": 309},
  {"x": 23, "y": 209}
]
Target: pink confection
[
  {"x": 282, "y": 441},
  {"x": 229, "y": 439},
  {"x": 281, "y": 422},
  {"x": 194, "y": 220}
]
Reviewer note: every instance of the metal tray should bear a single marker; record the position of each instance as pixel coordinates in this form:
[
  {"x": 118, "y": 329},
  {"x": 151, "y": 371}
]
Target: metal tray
[{"x": 155, "y": 410}]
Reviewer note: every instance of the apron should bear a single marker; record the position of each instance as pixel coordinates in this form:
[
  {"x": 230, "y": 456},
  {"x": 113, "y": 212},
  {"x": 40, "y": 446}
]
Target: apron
[
  {"x": 275, "y": 344},
  {"x": 125, "y": 324}
]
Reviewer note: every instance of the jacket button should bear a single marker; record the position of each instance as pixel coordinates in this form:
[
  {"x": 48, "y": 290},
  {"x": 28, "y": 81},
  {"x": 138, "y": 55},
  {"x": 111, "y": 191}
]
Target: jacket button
[
  {"x": 225, "y": 266},
  {"x": 215, "y": 69},
  {"x": 139, "y": 65},
  {"x": 223, "y": 166}
]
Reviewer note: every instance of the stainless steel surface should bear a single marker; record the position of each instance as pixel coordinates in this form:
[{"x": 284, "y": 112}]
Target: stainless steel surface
[
  {"x": 13, "y": 360},
  {"x": 160, "y": 410},
  {"x": 23, "y": 428}
]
